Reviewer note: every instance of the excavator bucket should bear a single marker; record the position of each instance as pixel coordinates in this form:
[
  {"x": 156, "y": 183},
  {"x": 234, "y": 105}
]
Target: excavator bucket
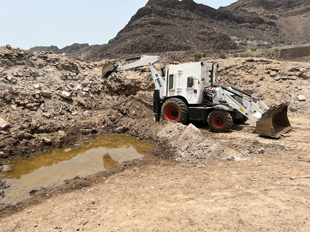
[
  {"x": 274, "y": 122},
  {"x": 107, "y": 69}
]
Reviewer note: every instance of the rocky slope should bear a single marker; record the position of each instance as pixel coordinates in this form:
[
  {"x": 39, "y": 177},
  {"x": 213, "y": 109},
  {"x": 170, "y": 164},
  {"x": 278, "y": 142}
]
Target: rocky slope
[
  {"x": 173, "y": 25},
  {"x": 47, "y": 100},
  {"x": 292, "y": 17},
  {"x": 74, "y": 50},
  {"x": 167, "y": 25}
]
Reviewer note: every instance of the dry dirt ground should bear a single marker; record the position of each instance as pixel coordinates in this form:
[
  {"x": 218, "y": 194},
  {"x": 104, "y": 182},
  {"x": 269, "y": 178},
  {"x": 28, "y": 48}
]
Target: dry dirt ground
[
  {"x": 233, "y": 181},
  {"x": 261, "y": 192}
]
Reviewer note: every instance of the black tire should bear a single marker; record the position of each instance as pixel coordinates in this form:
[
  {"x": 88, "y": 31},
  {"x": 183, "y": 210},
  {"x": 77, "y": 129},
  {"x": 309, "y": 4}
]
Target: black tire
[
  {"x": 174, "y": 109},
  {"x": 220, "y": 121},
  {"x": 241, "y": 120}
]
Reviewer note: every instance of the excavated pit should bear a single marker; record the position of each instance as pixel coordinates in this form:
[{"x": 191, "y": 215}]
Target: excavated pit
[{"x": 54, "y": 167}]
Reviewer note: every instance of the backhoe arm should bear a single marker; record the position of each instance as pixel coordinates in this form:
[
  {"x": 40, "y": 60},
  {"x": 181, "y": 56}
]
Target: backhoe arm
[{"x": 158, "y": 78}]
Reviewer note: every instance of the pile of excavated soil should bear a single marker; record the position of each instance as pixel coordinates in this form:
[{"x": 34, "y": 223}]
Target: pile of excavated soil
[
  {"x": 272, "y": 81},
  {"x": 47, "y": 99}
]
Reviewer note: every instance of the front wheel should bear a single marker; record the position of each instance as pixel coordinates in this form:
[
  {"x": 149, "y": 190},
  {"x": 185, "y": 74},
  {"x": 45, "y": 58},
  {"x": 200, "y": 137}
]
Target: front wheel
[
  {"x": 174, "y": 109},
  {"x": 220, "y": 121}
]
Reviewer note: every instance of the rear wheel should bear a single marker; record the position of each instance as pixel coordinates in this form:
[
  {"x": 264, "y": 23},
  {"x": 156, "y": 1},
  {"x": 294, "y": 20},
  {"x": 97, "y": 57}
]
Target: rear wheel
[
  {"x": 175, "y": 110},
  {"x": 220, "y": 121}
]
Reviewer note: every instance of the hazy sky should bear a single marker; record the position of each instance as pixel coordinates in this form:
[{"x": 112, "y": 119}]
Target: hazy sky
[{"x": 28, "y": 23}]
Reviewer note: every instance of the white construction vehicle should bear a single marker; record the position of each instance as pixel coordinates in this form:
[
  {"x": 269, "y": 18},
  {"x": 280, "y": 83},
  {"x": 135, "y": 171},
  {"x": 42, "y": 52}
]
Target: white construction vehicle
[{"x": 188, "y": 92}]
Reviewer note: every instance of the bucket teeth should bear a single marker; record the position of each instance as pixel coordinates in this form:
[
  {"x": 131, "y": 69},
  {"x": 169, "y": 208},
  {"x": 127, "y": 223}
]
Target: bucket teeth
[{"x": 274, "y": 122}]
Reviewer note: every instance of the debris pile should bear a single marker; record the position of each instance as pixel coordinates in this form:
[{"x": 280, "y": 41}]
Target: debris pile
[
  {"x": 274, "y": 82},
  {"x": 47, "y": 99}
]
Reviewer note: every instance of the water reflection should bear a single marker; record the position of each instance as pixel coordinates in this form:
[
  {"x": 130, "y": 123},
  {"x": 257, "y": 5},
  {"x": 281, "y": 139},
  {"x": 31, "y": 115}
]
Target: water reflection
[{"x": 53, "y": 167}]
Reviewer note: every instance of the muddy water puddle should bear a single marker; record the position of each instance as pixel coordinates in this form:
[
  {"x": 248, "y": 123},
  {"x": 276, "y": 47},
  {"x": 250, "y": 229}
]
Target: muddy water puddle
[{"x": 53, "y": 167}]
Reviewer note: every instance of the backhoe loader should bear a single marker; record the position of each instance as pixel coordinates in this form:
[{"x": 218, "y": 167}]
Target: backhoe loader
[{"x": 188, "y": 92}]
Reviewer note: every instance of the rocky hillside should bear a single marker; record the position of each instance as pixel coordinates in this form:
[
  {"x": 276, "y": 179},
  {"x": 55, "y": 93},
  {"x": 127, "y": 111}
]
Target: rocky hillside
[
  {"x": 292, "y": 17},
  {"x": 74, "y": 50},
  {"x": 172, "y": 25}
]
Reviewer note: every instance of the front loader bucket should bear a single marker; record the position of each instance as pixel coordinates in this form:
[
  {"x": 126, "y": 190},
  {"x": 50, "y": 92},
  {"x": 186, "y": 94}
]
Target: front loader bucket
[
  {"x": 107, "y": 69},
  {"x": 274, "y": 122}
]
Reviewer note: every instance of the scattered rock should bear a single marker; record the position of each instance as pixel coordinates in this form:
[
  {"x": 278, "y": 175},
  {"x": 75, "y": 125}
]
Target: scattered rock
[
  {"x": 47, "y": 141},
  {"x": 5, "y": 168},
  {"x": 286, "y": 135},
  {"x": 68, "y": 149},
  {"x": 301, "y": 98},
  {"x": 3, "y": 124},
  {"x": 261, "y": 151},
  {"x": 36, "y": 86},
  {"x": 304, "y": 73},
  {"x": 86, "y": 89},
  {"x": 46, "y": 115},
  {"x": 273, "y": 73},
  {"x": 66, "y": 94},
  {"x": 3, "y": 185},
  {"x": 230, "y": 158},
  {"x": 62, "y": 133},
  {"x": 46, "y": 94},
  {"x": 121, "y": 129},
  {"x": 86, "y": 113}
]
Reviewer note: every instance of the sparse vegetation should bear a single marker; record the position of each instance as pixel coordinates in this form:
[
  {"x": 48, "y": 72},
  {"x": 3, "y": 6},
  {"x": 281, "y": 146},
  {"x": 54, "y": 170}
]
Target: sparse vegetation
[
  {"x": 244, "y": 54},
  {"x": 223, "y": 56},
  {"x": 253, "y": 49},
  {"x": 270, "y": 54},
  {"x": 197, "y": 57}
]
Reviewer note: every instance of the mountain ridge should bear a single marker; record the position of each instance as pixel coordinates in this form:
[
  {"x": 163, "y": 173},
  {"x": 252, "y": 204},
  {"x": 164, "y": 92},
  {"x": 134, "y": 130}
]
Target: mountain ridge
[{"x": 173, "y": 25}]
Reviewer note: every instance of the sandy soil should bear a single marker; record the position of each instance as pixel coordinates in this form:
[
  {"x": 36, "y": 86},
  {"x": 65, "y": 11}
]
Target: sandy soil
[{"x": 262, "y": 192}]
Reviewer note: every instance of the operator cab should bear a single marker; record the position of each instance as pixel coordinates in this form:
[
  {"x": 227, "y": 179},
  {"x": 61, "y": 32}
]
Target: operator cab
[{"x": 189, "y": 80}]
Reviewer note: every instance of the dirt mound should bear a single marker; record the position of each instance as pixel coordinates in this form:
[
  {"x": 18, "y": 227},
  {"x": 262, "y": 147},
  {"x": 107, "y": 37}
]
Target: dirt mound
[
  {"x": 274, "y": 82},
  {"x": 54, "y": 98}
]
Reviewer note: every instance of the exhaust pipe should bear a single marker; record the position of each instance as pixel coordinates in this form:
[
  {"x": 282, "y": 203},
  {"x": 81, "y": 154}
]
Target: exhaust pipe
[{"x": 274, "y": 122}]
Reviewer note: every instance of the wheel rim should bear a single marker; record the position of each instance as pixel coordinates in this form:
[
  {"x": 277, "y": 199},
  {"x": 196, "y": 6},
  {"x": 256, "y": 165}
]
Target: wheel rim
[
  {"x": 171, "y": 113},
  {"x": 218, "y": 121}
]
